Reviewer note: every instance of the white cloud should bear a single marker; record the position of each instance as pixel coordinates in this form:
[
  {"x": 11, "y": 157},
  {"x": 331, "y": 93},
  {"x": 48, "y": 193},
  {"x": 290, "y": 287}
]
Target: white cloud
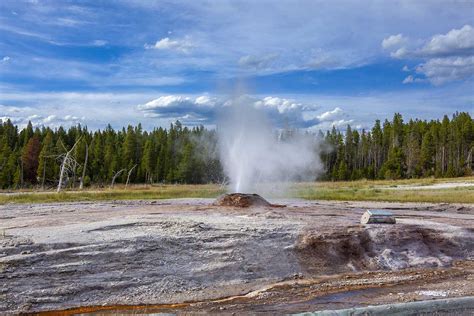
[
  {"x": 39, "y": 120},
  {"x": 342, "y": 123},
  {"x": 447, "y": 57},
  {"x": 400, "y": 53},
  {"x": 331, "y": 115},
  {"x": 408, "y": 79},
  {"x": 5, "y": 59},
  {"x": 394, "y": 41},
  {"x": 443, "y": 70},
  {"x": 285, "y": 112},
  {"x": 455, "y": 42},
  {"x": 99, "y": 43},
  {"x": 69, "y": 108},
  {"x": 205, "y": 110},
  {"x": 49, "y": 119},
  {"x": 406, "y": 68},
  {"x": 183, "y": 45},
  {"x": 199, "y": 110},
  {"x": 412, "y": 79},
  {"x": 120, "y": 109}
]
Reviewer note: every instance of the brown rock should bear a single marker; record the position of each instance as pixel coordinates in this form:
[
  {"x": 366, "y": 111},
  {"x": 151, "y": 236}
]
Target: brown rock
[{"x": 242, "y": 200}]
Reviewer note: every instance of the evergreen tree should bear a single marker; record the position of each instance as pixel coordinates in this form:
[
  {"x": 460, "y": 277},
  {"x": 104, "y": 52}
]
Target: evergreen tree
[
  {"x": 47, "y": 170},
  {"x": 29, "y": 160}
]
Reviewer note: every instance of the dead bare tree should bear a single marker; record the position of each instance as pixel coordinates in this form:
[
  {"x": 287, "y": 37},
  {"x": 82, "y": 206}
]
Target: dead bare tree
[
  {"x": 68, "y": 164},
  {"x": 223, "y": 184},
  {"x": 115, "y": 176},
  {"x": 81, "y": 185},
  {"x": 128, "y": 176}
]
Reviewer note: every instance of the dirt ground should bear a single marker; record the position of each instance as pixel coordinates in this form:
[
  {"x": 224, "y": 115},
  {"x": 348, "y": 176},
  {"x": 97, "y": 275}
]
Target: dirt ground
[{"x": 187, "y": 256}]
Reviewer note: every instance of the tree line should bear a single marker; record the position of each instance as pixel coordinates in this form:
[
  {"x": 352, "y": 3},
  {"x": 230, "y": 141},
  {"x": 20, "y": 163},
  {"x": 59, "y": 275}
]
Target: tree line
[
  {"x": 76, "y": 157},
  {"x": 396, "y": 150},
  {"x": 36, "y": 156}
]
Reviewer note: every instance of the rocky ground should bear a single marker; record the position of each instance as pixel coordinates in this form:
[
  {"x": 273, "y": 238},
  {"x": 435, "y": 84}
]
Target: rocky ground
[{"x": 188, "y": 256}]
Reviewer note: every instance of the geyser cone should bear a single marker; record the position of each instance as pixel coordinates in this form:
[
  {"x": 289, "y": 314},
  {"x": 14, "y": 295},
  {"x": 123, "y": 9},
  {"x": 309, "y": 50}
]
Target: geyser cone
[{"x": 243, "y": 200}]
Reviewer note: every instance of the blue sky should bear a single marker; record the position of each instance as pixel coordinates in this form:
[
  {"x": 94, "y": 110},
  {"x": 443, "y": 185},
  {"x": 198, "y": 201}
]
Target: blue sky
[{"x": 312, "y": 63}]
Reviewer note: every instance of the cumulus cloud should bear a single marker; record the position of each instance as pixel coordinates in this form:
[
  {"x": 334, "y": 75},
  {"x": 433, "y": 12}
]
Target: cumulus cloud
[
  {"x": 39, "y": 120},
  {"x": 199, "y": 110},
  {"x": 447, "y": 57},
  {"x": 205, "y": 110},
  {"x": 394, "y": 41},
  {"x": 342, "y": 123},
  {"x": 412, "y": 79},
  {"x": 400, "y": 53},
  {"x": 334, "y": 118},
  {"x": 331, "y": 115},
  {"x": 443, "y": 70},
  {"x": 184, "y": 45},
  {"x": 284, "y": 112},
  {"x": 21, "y": 115},
  {"x": 408, "y": 79},
  {"x": 455, "y": 42},
  {"x": 5, "y": 59}
]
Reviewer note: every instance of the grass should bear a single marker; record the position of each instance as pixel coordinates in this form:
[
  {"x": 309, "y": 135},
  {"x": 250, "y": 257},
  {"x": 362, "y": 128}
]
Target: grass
[
  {"x": 455, "y": 195},
  {"x": 384, "y": 190},
  {"x": 118, "y": 193},
  {"x": 362, "y": 190}
]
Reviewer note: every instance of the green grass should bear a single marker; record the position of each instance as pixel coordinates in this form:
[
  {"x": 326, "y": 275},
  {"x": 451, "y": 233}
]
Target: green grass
[{"x": 362, "y": 190}]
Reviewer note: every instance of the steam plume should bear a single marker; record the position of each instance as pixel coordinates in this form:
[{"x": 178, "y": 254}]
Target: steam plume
[{"x": 253, "y": 155}]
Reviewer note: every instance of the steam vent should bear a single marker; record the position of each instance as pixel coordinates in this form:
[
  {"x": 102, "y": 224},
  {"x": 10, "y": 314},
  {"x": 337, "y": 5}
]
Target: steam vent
[{"x": 241, "y": 200}]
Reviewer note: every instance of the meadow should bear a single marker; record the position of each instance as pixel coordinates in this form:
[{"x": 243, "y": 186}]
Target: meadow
[{"x": 413, "y": 190}]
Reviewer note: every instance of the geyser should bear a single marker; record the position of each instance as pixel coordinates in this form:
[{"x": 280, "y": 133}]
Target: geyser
[
  {"x": 241, "y": 200},
  {"x": 255, "y": 155}
]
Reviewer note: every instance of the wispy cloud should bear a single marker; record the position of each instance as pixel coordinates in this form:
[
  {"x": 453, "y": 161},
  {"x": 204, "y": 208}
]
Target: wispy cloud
[
  {"x": 184, "y": 45},
  {"x": 255, "y": 62}
]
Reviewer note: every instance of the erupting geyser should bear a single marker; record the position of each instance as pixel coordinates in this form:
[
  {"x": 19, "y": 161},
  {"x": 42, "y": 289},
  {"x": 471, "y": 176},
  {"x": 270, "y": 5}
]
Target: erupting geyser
[{"x": 255, "y": 155}]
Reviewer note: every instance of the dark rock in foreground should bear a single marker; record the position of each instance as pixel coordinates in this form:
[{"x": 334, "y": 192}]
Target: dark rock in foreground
[{"x": 242, "y": 200}]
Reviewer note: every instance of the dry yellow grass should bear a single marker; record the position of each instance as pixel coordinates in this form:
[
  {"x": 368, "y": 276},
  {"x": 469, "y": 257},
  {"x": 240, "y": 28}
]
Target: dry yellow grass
[{"x": 362, "y": 190}]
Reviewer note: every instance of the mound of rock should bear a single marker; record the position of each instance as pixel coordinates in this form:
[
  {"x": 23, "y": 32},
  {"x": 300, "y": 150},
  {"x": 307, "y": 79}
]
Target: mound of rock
[
  {"x": 241, "y": 200},
  {"x": 342, "y": 249}
]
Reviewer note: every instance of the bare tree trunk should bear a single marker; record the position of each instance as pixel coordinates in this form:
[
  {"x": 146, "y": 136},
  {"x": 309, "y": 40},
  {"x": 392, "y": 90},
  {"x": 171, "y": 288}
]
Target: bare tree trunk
[
  {"x": 469, "y": 158},
  {"x": 81, "y": 185},
  {"x": 61, "y": 173},
  {"x": 63, "y": 166},
  {"x": 115, "y": 176},
  {"x": 128, "y": 176},
  {"x": 73, "y": 184}
]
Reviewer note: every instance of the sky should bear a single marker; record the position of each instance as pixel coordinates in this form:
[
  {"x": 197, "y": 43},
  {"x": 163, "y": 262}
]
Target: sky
[{"x": 307, "y": 64}]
